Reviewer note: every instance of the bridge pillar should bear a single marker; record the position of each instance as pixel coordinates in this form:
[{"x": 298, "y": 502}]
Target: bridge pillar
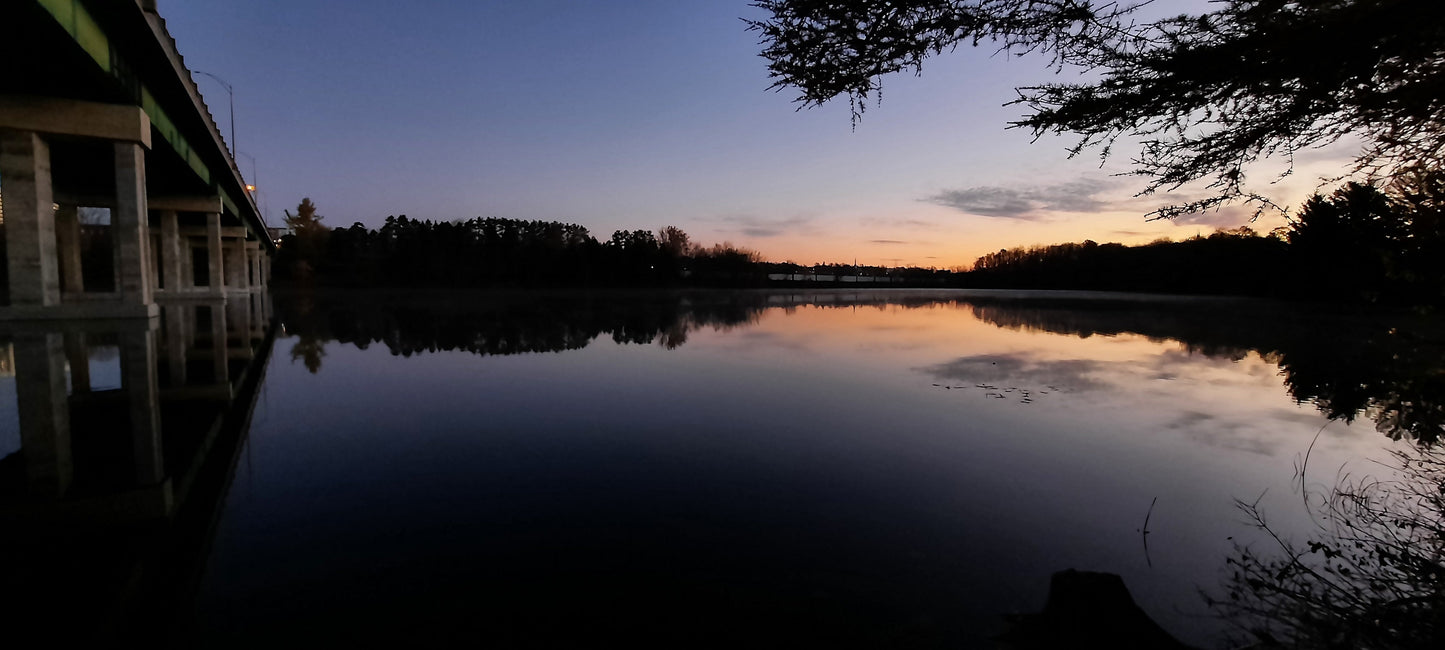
[
  {"x": 29, "y": 220},
  {"x": 236, "y": 279},
  {"x": 253, "y": 264},
  {"x": 214, "y": 254},
  {"x": 138, "y": 378},
  {"x": 238, "y": 327},
  {"x": 171, "y": 252},
  {"x": 67, "y": 241},
  {"x": 44, "y": 411},
  {"x": 187, "y": 261},
  {"x": 34, "y": 258},
  {"x": 177, "y": 340},
  {"x": 130, "y": 225},
  {"x": 78, "y": 355},
  {"x": 219, "y": 355}
]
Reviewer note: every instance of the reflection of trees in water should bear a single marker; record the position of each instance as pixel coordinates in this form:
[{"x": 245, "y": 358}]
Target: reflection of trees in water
[
  {"x": 1391, "y": 370},
  {"x": 1373, "y": 573},
  {"x": 310, "y": 350},
  {"x": 1388, "y": 368},
  {"x": 1371, "y": 577},
  {"x": 510, "y": 325}
]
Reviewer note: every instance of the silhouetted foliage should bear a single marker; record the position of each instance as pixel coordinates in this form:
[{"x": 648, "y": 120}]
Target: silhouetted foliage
[
  {"x": 1373, "y": 576},
  {"x": 1206, "y": 94},
  {"x": 496, "y": 252},
  {"x": 1366, "y": 243},
  {"x": 304, "y": 247},
  {"x": 1359, "y": 244},
  {"x": 1234, "y": 262}
]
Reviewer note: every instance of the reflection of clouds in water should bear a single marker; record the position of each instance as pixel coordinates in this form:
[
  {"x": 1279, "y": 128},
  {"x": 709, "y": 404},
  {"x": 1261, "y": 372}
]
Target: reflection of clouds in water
[
  {"x": 1224, "y": 432},
  {"x": 1256, "y": 433},
  {"x": 897, "y": 328},
  {"x": 892, "y": 347},
  {"x": 756, "y": 340},
  {"x": 1160, "y": 390},
  {"x": 1247, "y": 369},
  {"x": 1020, "y": 370}
]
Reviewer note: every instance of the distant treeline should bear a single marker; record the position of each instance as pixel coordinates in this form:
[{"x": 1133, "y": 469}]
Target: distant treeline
[
  {"x": 496, "y": 252},
  {"x": 1232, "y": 262},
  {"x": 1360, "y": 244}
]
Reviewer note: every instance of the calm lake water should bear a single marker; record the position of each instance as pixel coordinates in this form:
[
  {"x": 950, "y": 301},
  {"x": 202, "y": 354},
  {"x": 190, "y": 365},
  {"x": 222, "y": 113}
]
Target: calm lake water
[{"x": 885, "y": 468}]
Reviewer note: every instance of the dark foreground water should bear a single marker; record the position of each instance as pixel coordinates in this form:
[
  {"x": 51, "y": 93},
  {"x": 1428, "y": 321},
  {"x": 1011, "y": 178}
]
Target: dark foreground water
[{"x": 867, "y": 469}]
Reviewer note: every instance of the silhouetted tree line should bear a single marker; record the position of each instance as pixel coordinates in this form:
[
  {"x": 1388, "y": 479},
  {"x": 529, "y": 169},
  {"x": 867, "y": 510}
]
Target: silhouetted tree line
[
  {"x": 1228, "y": 262},
  {"x": 497, "y": 252},
  {"x": 1361, "y": 243}
]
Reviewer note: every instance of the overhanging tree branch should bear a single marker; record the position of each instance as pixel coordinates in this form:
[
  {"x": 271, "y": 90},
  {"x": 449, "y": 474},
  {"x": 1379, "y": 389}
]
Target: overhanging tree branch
[{"x": 1209, "y": 95}]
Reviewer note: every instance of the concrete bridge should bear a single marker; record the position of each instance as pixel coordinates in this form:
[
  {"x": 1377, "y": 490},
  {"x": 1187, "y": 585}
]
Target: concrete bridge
[{"x": 116, "y": 187}]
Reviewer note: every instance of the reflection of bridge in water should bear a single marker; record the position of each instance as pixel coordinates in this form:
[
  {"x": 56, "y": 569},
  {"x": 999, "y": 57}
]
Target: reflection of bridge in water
[
  {"x": 133, "y": 316},
  {"x": 129, "y": 434}
]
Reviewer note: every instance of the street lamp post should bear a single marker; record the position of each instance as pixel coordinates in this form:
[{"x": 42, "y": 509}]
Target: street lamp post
[
  {"x": 230, "y": 93},
  {"x": 254, "y": 183}
]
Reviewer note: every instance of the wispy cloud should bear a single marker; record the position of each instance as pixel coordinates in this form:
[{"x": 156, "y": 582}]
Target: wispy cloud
[
  {"x": 1226, "y": 217},
  {"x": 1028, "y": 203},
  {"x": 891, "y": 222},
  {"x": 755, "y": 226},
  {"x": 886, "y": 241}
]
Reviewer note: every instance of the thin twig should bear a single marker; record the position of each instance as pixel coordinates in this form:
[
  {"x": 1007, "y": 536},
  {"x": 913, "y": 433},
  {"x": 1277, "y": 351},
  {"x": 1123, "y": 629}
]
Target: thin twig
[{"x": 1144, "y": 532}]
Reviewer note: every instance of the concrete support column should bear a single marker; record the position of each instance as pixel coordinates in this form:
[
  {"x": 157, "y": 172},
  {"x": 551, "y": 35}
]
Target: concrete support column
[
  {"x": 138, "y": 378},
  {"x": 78, "y": 354},
  {"x": 29, "y": 219},
  {"x": 218, "y": 342},
  {"x": 44, "y": 409},
  {"x": 67, "y": 243},
  {"x": 171, "y": 251},
  {"x": 253, "y": 263},
  {"x": 176, "y": 341},
  {"x": 238, "y": 321},
  {"x": 236, "y": 264},
  {"x": 129, "y": 225},
  {"x": 258, "y": 316},
  {"x": 153, "y": 263},
  {"x": 213, "y": 252},
  {"x": 187, "y": 260},
  {"x": 265, "y": 311}
]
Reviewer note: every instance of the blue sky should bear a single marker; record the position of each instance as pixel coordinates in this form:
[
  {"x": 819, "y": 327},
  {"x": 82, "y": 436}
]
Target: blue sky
[{"x": 638, "y": 114}]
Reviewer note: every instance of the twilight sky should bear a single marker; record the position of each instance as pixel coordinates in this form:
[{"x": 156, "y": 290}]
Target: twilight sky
[{"x": 647, "y": 113}]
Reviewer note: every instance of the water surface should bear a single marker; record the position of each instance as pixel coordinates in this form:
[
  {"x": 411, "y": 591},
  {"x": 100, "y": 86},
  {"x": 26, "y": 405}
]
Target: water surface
[{"x": 870, "y": 468}]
